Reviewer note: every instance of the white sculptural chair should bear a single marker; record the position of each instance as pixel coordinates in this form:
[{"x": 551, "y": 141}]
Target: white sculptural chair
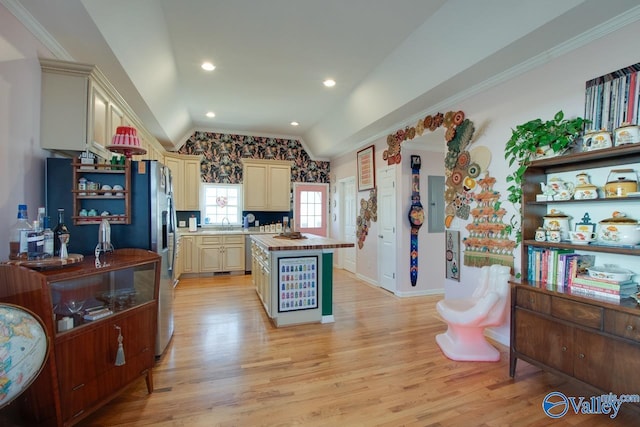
[{"x": 468, "y": 317}]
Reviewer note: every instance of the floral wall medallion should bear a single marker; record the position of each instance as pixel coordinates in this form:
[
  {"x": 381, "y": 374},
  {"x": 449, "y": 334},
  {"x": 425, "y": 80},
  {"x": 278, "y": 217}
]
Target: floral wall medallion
[
  {"x": 222, "y": 154},
  {"x": 368, "y": 213}
]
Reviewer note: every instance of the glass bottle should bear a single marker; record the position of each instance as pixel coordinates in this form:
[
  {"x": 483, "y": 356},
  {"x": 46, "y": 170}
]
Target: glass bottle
[
  {"x": 35, "y": 241},
  {"x": 48, "y": 238},
  {"x": 60, "y": 230},
  {"x": 18, "y": 245}
]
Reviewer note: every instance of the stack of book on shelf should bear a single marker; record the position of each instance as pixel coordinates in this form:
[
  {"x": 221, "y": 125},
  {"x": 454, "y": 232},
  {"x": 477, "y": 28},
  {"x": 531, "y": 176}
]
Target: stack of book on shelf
[
  {"x": 585, "y": 285},
  {"x": 556, "y": 267}
]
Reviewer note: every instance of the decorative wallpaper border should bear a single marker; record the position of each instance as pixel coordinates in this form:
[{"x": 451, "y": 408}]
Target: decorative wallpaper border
[{"x": 222, "y": 154}]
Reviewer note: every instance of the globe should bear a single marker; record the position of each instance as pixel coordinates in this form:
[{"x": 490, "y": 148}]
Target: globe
[{"x": 24, "y": 348}]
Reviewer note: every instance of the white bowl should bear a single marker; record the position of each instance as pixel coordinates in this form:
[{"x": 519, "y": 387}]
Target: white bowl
[{"x": 610, "y": 272}]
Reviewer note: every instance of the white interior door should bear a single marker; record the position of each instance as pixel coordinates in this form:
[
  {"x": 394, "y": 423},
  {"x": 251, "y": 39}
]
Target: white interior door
[
  {"x": 348, "y": 214},
  {"x": 386, "y": 181}
]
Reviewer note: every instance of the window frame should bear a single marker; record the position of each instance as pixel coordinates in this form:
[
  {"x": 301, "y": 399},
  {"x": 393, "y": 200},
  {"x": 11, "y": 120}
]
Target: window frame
[{"x": 237, "y": 220}]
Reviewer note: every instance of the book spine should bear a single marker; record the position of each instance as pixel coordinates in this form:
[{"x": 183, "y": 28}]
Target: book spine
[
  {"x": 595, "y": 289},
  {"x": 594, "y": 282},
  {"x": 594, "y": 294},
  {"x": 530, "y": 264}
]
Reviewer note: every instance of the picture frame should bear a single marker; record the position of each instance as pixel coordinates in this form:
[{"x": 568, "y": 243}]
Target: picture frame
[{"x": 366, "y": 169}]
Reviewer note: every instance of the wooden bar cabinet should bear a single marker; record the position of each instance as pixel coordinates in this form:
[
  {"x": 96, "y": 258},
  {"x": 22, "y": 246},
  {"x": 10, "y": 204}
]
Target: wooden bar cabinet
[{"x": 86, "y": 366}]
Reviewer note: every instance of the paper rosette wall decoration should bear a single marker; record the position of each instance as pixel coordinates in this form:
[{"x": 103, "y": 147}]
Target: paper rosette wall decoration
[
  {"x": 488, "y": 241},
  {"x": 451, "y": 121}
]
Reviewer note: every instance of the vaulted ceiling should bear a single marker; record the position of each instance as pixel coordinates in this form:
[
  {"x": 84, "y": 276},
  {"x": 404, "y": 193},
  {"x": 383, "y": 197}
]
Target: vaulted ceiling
[{"x": 393, "y": 60}]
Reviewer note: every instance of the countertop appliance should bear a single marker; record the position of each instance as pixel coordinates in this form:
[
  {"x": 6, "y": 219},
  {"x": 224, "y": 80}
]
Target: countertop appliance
[{"x": 152, "y": 227}]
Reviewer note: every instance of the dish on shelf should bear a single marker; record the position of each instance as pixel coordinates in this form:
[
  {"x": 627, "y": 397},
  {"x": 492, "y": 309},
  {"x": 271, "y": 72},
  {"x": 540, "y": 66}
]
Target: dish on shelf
[
  {"x": 610, "y": 272},
  {"x": 579, "y": 242}
]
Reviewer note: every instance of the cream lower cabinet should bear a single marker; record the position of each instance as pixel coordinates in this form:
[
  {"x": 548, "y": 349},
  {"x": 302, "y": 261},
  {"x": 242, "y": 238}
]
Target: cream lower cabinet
[
  {"x": 261, "y": 274},
  {"x": 186, "y": 262},
  {"x": 220, "y": 253},
  {"x": 185, "y": 173},
  {"x": 266, "y": 185}
]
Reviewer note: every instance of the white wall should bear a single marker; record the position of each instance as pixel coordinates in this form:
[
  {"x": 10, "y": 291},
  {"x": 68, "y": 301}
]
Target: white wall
[
  {"x": 21, "y": 158},
  {"x": 430, "y": 245},
  {"x": 557, "y": 85}
]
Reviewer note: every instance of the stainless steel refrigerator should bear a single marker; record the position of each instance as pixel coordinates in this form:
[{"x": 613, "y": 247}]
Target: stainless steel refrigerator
[{"x": 153, "y": 225}]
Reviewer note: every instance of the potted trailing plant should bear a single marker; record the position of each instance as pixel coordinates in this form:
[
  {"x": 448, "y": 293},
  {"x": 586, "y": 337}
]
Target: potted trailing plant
[{"x": 537, "y": 138}]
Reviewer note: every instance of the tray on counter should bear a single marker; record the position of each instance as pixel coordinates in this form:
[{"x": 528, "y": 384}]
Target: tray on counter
[
  {"x": 294, "y": 235},
  {"x": 53, "y": 262}
]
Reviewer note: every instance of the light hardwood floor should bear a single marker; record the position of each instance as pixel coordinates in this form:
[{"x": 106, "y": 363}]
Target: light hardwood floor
[{"x": 377, "y": 365}]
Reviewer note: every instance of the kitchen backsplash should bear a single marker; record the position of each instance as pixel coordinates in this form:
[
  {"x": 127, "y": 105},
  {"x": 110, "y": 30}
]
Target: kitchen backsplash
[
  {"x": 263, "y": 218},
  {"x": 222, "y": 154},
  {"x": 182, "y": 217}
]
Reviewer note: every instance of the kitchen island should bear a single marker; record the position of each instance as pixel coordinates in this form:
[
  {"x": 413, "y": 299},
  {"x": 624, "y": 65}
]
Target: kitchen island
[{"x": 294, "y": 277}]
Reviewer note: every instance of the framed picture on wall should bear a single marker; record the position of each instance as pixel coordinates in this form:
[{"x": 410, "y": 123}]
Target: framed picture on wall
[{"x": 366, "y": 169}]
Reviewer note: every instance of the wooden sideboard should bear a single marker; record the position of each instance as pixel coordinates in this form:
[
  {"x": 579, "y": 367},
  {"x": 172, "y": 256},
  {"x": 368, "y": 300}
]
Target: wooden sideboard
[
  {"x": 593, "y": 341},
  {"x": 84, "y": 370}
]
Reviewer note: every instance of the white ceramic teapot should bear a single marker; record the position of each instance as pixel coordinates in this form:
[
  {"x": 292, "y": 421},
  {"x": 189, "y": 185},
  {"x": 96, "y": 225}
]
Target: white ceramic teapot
[{"x": 563, "y": 190}]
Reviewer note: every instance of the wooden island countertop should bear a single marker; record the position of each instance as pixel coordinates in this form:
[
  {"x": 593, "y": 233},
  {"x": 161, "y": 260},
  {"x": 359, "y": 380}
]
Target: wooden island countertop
[{"x": 274, "y": 242}]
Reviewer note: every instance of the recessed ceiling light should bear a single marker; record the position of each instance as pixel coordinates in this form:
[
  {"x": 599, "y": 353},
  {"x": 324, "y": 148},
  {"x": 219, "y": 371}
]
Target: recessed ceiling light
[
  {"x": 208, "y": 66},
  {"x": 329, "y": 83},
  {"x": 294, "y": 123},
  {"x": 211, "y": 114}
]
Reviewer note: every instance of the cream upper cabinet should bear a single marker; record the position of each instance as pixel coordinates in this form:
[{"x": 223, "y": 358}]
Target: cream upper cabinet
[
  {"x": 100, "y": 124},
  {"x": 81, "y": 110},
  {"x": 185, "y": 171},
  {"x": 266, "y": 185}
]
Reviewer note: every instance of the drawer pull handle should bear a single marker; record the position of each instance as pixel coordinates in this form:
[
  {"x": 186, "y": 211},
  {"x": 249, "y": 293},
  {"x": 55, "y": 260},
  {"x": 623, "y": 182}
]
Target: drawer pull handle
[
  {"x": 629, "y": 327},
  {"x": 564, "y": 348},
  {"x": 78, "y": 387},
  {"x": 581, "y": 356}
]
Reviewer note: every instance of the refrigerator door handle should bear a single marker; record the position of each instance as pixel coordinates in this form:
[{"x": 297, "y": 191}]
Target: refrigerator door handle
[{"x": 172, "y": 231}]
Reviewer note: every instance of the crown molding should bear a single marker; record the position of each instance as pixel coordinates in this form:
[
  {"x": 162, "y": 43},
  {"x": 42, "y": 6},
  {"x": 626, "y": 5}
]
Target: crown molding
[{"x": 36, "y": 29}]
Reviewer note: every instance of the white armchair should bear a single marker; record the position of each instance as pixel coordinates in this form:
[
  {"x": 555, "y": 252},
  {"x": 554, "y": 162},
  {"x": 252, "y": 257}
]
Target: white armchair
[{"x": 467, "y": 317}]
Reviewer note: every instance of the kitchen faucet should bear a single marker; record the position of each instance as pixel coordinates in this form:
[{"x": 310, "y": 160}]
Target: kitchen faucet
[{"x": 228, "y": 222}]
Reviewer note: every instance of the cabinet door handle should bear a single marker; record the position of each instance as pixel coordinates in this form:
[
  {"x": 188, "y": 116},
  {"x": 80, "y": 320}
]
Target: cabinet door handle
[
  {"x": 630, "y": 328},
  {"x": 78, "y": 387},
  {"x": 564, "y": 348},
  {"x": 581, "y": 356}
]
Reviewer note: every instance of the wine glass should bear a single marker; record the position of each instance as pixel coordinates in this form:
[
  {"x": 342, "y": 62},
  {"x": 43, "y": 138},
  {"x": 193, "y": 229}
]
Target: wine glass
[{"x": 74, "y": 306}]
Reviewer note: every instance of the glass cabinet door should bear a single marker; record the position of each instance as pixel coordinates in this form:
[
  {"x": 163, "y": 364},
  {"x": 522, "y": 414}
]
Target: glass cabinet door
[{"x": 81, "y": 301}]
